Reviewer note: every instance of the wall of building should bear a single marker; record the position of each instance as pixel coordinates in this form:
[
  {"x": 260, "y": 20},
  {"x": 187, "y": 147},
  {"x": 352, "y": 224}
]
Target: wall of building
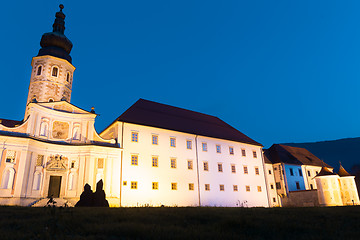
[
  {"x": 309, "y": 173},
  {"x": 294, "y": 177},
  {"x": 274, "y": 199},
  {"x": 211, "y": 187}
]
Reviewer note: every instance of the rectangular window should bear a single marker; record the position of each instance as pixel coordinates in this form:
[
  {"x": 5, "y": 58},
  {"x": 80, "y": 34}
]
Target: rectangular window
[
  {"x": 188, "y": 144},
  {"x": 155, "y": 161},
  {"x": 259, "y": 188},
  {"x": 257, "y": 171},
  {"x": 254, "y": 154},
  {"x": 134, "y": 160},
  {"x": 133, "y": 185},
  {"x": 207, "y": 187},
  {"x": 300, "y": 173},
  {"x": 191, "y": 186},
  {"x": 100, "y": 163},
  {"x": 291, "y": 172},
  {"x": 297, "y": 185},
  {"x": 190, "y": 164},
  {"x": 172, "y": 142},
  {"x": 235, "y": 188},
  {"x": 278, "y": 185},
  {"x": 124, "y": 183},
  {"x": 269, "y": 172},
  {"x": 173, "y": 186},
  {"x": 220, "y": 168},
  {"x": 222, "y": 187},
  {"x": 233, "y": 168},
  {"x": 272, "y": 186},
  {"x": 311, "y": 187},
  {"x": 231, "y": 150},
  {"x": 218, "y": 148},
  {"x": 39, "y": 160},
  {"x": 309, "y": 174},
  {"x": 247, "y": 188},
  {"x": 155, "y": 185},
  {"x": 245, "y": 170},
  {"x": 155, "y": 139},
  {"x": 243, "y": 152},
  {"x": 204, "y": 147},
  {"x": 10, "y": 156},
  {"x": 173, "y": 162},
  {"x": 206, "y": 166},
  {"x": 274, "y": 199},
  {"x": 73, "y": 164},
  {"x": 134, "y": 136}
]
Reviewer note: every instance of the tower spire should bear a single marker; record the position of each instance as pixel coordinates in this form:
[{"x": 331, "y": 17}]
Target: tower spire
[
  {"x": 59, "y": 23},
  {"x": 55, "y": 43}
]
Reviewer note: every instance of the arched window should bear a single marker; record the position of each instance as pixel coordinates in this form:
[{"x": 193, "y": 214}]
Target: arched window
[
  {"x": 37, "y": 181},
  {"x": 8, "y": 178},
  {"x": 68, "y": 77},
  {"x": 39, "y": 69},
  {"x": 51, "y": 100},
  {"x": 76, "y": 133},
  {"x": 71, "y": 181},
  {"x": 44, "y": 129},
  {"x": 55, "y": 72}
]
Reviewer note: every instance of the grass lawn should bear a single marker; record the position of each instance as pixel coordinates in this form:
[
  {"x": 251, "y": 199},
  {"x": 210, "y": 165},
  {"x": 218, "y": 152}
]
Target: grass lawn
[{"x": 180, "y": 223}]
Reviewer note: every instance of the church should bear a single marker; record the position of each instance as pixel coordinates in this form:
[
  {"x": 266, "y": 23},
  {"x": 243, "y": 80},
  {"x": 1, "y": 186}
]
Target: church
[{"x": 151, "y": 155}]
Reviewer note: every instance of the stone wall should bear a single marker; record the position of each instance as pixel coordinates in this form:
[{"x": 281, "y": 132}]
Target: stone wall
[{"x": 305, "y": 198}]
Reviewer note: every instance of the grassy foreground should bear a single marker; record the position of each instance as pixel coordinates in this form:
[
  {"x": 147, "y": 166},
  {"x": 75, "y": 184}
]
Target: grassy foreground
[{"x": 180, "y": 223}]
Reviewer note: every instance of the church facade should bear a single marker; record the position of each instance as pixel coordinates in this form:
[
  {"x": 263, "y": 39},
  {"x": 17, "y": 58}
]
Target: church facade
[{"x": 152, "y": 155}]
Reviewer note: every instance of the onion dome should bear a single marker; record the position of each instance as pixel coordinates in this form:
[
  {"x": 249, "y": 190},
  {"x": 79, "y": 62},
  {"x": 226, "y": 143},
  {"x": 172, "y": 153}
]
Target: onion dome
[
  {"x": 343, "y": 172},
  {"x": 325, "y": 172},
  {"x": 55, "y": 43}
]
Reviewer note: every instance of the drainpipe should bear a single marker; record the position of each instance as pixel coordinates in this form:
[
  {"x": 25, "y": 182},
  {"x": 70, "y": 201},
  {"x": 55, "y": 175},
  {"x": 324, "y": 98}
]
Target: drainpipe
[
  {"x": 121, "y": 158},
  {"x": 197, "y": 167},
  {"x": 266, "y": 182}
]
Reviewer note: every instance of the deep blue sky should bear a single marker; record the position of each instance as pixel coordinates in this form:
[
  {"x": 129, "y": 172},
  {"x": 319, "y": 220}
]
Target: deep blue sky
[{"x": 279, "y": 71}]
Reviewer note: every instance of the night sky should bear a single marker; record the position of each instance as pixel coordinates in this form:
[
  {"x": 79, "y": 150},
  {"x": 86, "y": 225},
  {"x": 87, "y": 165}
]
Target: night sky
[{"x": 278, "y": 71}]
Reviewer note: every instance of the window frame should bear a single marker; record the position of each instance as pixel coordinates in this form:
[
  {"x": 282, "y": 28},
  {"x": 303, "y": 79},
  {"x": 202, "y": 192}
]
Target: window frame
[
  {"x": 218, "y": 148},
  {"x": 173, "y": 163},
  {"x": 134, "y": 160},
  {"x": 173, "y": 142},
  {"x": 155, "y": 139},
  {"x": 57, "y": 71},
  {"x": 189, "y": 146},
  {"x": 134, "y": 136},
  {"x": 231, "y": 151}
]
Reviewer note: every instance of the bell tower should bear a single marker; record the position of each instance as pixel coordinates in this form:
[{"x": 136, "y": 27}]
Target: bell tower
[{"x": 52, "y": 69}]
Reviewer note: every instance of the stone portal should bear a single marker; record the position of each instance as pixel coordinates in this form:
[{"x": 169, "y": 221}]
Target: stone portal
[{"x": 54, "y": 186}]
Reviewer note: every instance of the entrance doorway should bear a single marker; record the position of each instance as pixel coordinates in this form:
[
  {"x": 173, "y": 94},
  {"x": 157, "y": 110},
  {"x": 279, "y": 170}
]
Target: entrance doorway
[{"x": 54, "y": 186}]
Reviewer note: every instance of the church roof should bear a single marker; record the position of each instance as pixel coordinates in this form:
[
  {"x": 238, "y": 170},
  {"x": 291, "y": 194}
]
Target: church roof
[
  {"x": 154, "y": 114},
  {"x": 342, "y": 172},
  {"x": 279, "y": 153}
]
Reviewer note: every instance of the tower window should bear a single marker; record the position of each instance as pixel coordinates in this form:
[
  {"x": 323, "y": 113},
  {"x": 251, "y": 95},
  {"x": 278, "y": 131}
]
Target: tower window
[
  {"x": 55, "y": 71},
  {"x": 68, "y": 77},
  {"x": 39, "y": 70}
]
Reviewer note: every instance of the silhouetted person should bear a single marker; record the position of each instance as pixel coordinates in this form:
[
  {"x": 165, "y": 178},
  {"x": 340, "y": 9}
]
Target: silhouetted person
[
  {"x": 99, "y": 197},
  {"x": 86, "y": 197}
]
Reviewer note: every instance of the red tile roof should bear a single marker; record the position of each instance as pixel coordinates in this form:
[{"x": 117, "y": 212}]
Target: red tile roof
[
  {"x": 154, "y": 114},
  {"x": 279, "y": 153}
]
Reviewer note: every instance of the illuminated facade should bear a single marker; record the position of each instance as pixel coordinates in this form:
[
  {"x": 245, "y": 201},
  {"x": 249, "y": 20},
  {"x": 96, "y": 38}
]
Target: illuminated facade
[
  {"x": 152, "y": 155},
  {"x": 302, "y": 179}
]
